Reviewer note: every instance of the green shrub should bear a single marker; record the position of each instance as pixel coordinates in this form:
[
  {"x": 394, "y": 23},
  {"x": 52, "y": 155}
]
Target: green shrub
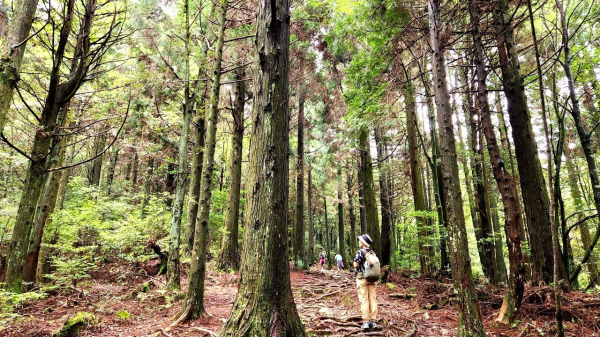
[{"x": 123, "y": 314}]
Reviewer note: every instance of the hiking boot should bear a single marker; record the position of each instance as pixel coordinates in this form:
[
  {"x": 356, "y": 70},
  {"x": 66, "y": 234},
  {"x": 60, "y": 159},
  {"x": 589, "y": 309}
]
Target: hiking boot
[
  {"x": 372, "y": 325},
  {"x": 366, "y": 326}
]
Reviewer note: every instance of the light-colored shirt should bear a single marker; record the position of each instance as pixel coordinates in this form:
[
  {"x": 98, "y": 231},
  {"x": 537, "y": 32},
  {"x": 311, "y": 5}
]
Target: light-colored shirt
[{"x": 338, "y": 257}]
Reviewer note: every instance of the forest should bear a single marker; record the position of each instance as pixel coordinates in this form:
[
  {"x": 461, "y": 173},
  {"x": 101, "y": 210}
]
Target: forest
[{"x": 205, "y": 167}]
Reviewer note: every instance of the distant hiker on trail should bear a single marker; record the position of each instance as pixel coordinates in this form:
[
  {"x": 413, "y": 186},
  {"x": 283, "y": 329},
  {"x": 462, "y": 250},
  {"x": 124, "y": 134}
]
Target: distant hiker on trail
[
  {"x": 368, "y": 272},
  {"x": 340, "y": 261},
  {"x": 322, "y": 259}
]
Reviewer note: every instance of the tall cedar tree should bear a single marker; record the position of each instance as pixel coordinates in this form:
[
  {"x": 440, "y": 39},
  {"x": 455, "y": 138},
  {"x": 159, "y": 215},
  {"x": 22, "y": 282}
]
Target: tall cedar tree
[
  {"x": 533, "y": 186},
  {"x": 298, "y": 245},
  {"x": 384, "y": 197},
  {"x": 229, "y": 256},
  {"x": 264, "y": 304},
  {"x": 513, "y": 219},
  {"x": 366, "y": 166},
  {"x": 584, "y": 135},
  {"x": 340, "y": 213},
  {"x": 194, "y": 299},
  {"x": 425, "y": 253},
  {"x": 58, "y": 95},
  {"x": 469, "y": 314}
]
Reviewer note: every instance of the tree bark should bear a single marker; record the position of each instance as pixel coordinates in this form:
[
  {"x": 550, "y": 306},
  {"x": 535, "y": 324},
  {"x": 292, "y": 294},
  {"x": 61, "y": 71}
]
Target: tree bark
[
  {"x": 584, "y": 230},
  {"x": 366, "y": 165},
  {"x": 436, "y": 176},
  {"x": 44, "y": 209},
  {"x": 11, "y": 56},
  {"x": 425, "y": 253},
  {"x": 351, "y": 214},
  {"x": 173, "y": 266},
  {"x": 469, "y": 312},
  {"x": 230, "y": 255},
  {"x": 134, "y": 171},
  {"x": 533, "y": 186},
  {"x": 327, "y": 234},
  {"x": 512, "y": 218},
  {"x": 110, "y": 176},
  {"x": 384, "y": 198},
  {"x": 311, "y": 228},
  {"x": 147, "y": 185},
  {"x": 340, "y": 214},
  {"x": 361, "y": 200},
  {"x": 264, "y": 305},
  {"x": 194, "y": 300},
  {"x": 195, "y": 177},
  {"x": 584, "y": 136},
  {"x": 96, "y": 169},
  {"x": 299, "y": 257}
]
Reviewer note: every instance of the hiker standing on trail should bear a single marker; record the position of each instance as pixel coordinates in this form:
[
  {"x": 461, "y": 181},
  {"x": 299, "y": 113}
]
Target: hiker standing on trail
[
  {"x": 365, "y": 280},
  {"x": 340, "y": 261},
  {"x": 322, "y": 259}
]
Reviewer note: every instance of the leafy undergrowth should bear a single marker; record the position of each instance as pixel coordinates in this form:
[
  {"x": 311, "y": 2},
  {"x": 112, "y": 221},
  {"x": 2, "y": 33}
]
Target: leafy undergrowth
[{"x": 128, "y": 300}]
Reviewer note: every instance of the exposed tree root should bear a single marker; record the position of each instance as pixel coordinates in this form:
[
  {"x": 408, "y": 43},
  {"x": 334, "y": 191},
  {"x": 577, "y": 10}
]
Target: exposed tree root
[{"x": 206, "y": 331}]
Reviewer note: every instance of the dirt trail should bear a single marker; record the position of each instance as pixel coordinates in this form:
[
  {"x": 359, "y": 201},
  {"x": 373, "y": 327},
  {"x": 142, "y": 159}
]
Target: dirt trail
[{"x": 326, "y": 302}]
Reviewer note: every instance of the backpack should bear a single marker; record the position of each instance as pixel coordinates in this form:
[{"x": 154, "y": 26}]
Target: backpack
[{"x": 371, "y": 267}]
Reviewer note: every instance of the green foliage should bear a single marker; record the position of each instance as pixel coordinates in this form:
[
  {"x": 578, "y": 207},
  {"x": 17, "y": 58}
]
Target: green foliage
[
  {"x": 73, "y": 266},
  {"x": 9, "y": 302},
  {"x": 93, "y": 225},
  {"x": 123, "y": 314}
]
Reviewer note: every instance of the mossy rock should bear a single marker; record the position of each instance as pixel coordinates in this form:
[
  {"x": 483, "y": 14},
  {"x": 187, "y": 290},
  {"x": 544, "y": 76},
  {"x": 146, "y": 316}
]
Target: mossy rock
[{"x": 75, "y": 324}]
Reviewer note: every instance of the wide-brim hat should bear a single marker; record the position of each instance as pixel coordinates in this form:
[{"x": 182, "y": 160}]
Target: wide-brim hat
[{"x": 365, "y": 239}]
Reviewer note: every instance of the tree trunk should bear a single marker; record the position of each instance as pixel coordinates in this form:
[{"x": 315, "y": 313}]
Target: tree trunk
[
  {"x": 264, "y": 305},
  {"x": 352, "y": 216},
  {"x": 194, "y": 301},
  {"x": 110, "y": 176},
  {"x": 482, "y": 222},
  {"x": 12, "y": 52},
  {"x": 134, "y": 171},
  {"x": 230, "y": 256},
  {"x": 58, "y": 95},
  {"x": 340, "y": 213},
  {"x": 366, "y": 165},
  {"x": 311, "y": 228},
  {"x": 436, "y": 176},
  {"x": 501, "y": 276},
  {"x": 299, "y": 257},
  {"x": 173, "y": 266},
  {"x": 512, "y": 217},
  {"x": 533, "y": 186},
  {"x": 384, "y": 197},
  {"x": 469, "y": 312},
  {"x": 65, "y": 174},
  {"x": 195, "y": 177},
  {"x": 44, "y": 208},
  {"x": 96, "y": 170},
  {"x": 361, "y": 200},
  {"x": 506, "y": 145},
  {"x": 147, "y": 185},
  {"x": 584, "y": 137},
  {"x": 327, "y": 234},
  {"x": 196, "y": 103},
  {"x": 425, "y": 253},
  {"x": 584, "y": 230}
]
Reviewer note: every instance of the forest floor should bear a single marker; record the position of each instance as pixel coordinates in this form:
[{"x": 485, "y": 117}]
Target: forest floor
[{"x": 128, "y": 301}]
